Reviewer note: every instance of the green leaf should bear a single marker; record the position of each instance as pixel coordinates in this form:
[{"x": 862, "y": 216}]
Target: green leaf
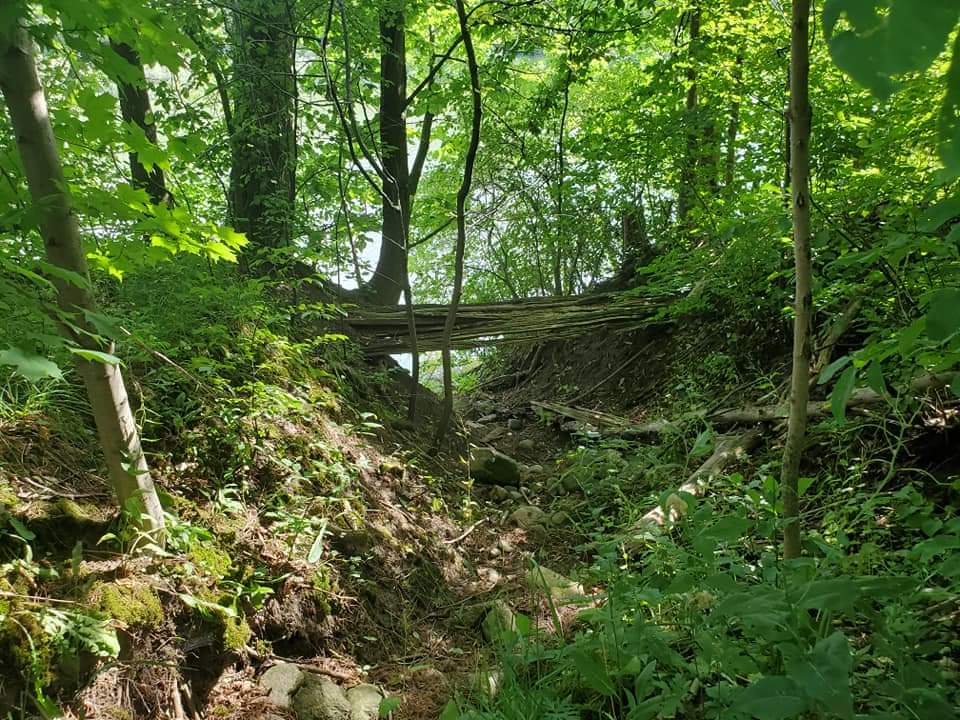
[
  {"x": 96, "y": 356},
  {"x": 22, "y": 530},
  {"x": 842, "y": 392},
  {"x": 32, "y": 367},
  {"x": 934, "y": 217},
  {"x": 832, "y": 594},
  {"x": 772, "y": 698},
  {"x": 388, "y": 705},
  {"x": 824, "y": 675},
  {"x": 316, "y": 550},
  {"x": 450, "y": 711},
  {"x": 830, "y": 370},
  {"x": 874, "y": 378},
  {"x": 592, "y": 671},
  {"x": 943, "y": 314}
]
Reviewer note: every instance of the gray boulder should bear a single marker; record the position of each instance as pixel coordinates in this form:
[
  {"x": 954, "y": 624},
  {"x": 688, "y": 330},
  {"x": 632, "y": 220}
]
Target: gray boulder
[
  {"x": 364, "y": 701},
  {"x": 528, "y": 516},
  {"x": 281, "y": 681},
  {"x": 492, "y": 467},
  {"x": 319, "y": 698}
]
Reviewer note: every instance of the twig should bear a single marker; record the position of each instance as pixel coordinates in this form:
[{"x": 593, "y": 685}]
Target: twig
[{"x": 461, "y": 536}]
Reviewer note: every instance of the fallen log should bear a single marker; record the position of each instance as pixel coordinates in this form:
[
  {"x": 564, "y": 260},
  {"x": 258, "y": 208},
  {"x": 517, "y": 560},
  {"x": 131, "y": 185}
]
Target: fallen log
[
  {"x": 861, "y": 401},
  {"x": 727, "y": 449}
]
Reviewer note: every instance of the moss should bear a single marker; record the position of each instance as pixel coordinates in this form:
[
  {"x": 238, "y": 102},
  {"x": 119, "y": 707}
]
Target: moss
[
  {"x": 81, "y": 514},
  {"x": 210, "y": 558},
  {"x": 236, "y": 633},
  {"x": 118, "y": 713},
  {"x": 26, "y": 650},
  {"x": 133, "y": 605},
  {"x": 8, "y": 498}
]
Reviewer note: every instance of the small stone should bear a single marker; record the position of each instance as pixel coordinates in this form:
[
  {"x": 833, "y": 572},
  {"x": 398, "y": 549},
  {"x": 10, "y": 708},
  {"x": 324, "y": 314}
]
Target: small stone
[
  {"x": 505, "y": 545},
  {"x": 498, "y": 492},
  {"x": 319, "y": 698},
  {"x": 528, "y": 444},
  {"x": 364, "y": 701},
  {"x": 491, "y": 417},
  {"x": 561, "y": 519},
  {"x": 515, "y": 424},
  {"x": 514, "y": 494},
  {"x": 494, "y": 552},
  {"x": 281, "y": 682},
  {"x": 526, "y": 516},
  {"x": 500, "y": 623},
  {"x": 561, "y": 588}
]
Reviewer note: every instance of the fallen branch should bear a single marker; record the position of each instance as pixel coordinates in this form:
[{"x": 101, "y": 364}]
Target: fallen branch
[
  {"x": 730, "y": 447},
  {"x": 861, "y": 401}
]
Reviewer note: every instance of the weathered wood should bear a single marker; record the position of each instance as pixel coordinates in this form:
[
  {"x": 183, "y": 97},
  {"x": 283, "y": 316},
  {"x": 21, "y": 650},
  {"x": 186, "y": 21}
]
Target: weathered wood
[
  {"x": 382, "y": 330},
  {"x": 861, "y": 401},
  {"x": 729, "y": 447}
]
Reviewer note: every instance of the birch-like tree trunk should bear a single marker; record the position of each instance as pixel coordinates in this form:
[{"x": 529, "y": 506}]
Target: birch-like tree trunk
[
  {"x": 116, "y": 427},
  {"x": 799, "y": 118}
]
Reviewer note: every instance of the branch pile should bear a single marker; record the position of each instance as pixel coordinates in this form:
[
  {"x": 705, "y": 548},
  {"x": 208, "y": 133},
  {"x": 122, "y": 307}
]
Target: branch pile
[{"x": 382, "y": 330}]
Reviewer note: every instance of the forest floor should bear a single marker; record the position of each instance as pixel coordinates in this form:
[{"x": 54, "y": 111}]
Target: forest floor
[{"x": 326, "y": 532}]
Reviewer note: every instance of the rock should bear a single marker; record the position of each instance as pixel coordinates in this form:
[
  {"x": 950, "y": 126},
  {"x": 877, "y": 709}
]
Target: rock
[
  {"x": 499, "y": 623},
  {"x": 319, "y": 698},
  {"x": 486, "y": 682},
  {"x": 281, "y": 682},
  {"x": 528, "y": 444},
  {"x": 527, "y": 516},
  {"x": 536, "y": 469},
  {"x": 561, "y": 519},
  {"x": 570, "y": 482},
  {"x": 488, "y": 465},
  {"x": 515, "y": 424},
  {"x": 494, "y": 552},
  {"x": 561, "y": 588},
  {"x": 505, "y": 545},
  {"x": 514, "y": 494},
  {"x": 498, "y": 492},
  {"x": 487, "y": 418},
  {"x": 364, "y": 701},
  {"x": 495, "y": 434}
]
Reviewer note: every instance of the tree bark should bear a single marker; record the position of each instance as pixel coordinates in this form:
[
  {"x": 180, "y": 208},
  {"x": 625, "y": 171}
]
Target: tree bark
[
  {"x": 263, "y": 171},
  {"x": 800, "y": 120},
  {"x": 446, "y": 411},
  {"x": 126, "y": 463},
  {"x": 389, "y": 278},
  {"x": 135, "y": 109},
  {"x": 688, "y": 170},
  {"x": 733, "y": 129}
]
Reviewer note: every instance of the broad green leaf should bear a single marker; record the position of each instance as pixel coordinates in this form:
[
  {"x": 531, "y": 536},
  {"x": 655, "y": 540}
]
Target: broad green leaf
[
  {"x": 874, "y": 378},
  {"x": 592, "y": 671},
  {"x": 387, "y": 706},
  {"x": 21, "y": 529},
  {"x": 943, "y": 314},
  {"x": 842, "y": 392},
  {"x": 96, "y": 356},
  {"x": 32, "y": 367},
  {"x": 833, "y": 594},
  {"x": 772, "y": 698},
  {"x": 450, "y": 711},
  {"x": 824, "y": 675},
  {"x": 830, "y": 370},
  {"x": 934, "y": 217}
]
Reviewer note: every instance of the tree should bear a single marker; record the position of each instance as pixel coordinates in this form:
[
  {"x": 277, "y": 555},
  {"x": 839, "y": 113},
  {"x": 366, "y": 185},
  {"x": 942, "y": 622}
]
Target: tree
[
  {"x": 800, "y": 120},
  {"x": 100, "y": 372},
  {"x": 136, "y": 111},
  {"x": 463, "y": 193},
  {"x": 263, "y": 144}
]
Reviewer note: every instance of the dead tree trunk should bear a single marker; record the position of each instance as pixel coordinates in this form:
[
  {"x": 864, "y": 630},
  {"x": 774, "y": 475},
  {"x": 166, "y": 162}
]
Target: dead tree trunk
[
  {"x": 116, "y": 427},
  {"x": 800, "y": 116}
]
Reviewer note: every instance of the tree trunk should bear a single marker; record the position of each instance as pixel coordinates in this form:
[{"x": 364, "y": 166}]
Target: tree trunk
[
  {"x": 389, "y": 278},
  {"x": 116, "y": 427},
  {"x": 263, "y": 172},
  {"x": 135, "y": 109},
  {"x": 446, "y": 411},
  {"x": 800, "y": 116},
  {"x": 733, "y": 128},
  {"x": 688, "y": 170}
]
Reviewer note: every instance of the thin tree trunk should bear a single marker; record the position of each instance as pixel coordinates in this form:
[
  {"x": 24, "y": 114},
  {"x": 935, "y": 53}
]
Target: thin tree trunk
[
  {"x": 116, "y": 427},
  {"x": 733, "y": 128},
  {"x": 135, "y": 109},
  {"x": 446, "y": 411},
  {"x": 561, "y": 172},
  {"x": 688, "y": 171},
  {"x": 800, "y": 117}
]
